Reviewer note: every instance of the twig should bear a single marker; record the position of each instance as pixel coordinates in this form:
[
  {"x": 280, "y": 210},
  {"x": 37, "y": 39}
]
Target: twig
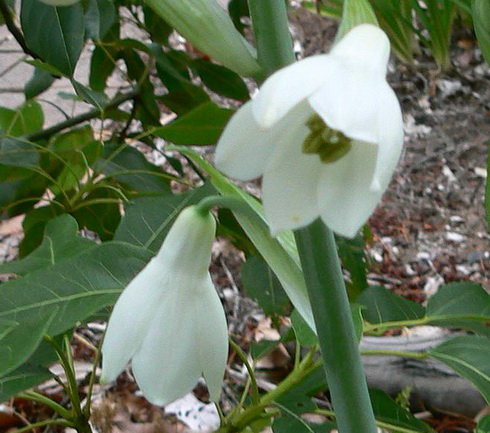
[{"x": 92, "y": 114}]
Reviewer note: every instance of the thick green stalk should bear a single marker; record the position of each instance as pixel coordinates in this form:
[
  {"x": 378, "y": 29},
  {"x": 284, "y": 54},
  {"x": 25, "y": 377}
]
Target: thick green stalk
[
  {"x": 335, "y": 328},
  {"x": 319, "y": 259},
  {"x": 271, "y": 32}
]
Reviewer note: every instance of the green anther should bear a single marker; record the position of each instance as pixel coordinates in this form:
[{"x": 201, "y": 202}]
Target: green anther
[{"x": 328, "y": 143}]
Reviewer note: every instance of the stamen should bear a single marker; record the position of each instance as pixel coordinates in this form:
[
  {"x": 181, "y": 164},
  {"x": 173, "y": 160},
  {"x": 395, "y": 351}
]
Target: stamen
[{"x": 329, "y": 144}]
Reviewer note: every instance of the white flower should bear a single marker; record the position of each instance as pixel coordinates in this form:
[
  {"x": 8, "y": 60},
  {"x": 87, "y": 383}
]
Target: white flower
[
  {"x": 169, "y": 319},
  {"x": 326, "y": 134}
]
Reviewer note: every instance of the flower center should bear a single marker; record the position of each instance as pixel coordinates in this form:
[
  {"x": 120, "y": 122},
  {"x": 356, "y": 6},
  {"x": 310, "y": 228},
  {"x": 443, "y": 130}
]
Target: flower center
[{"x": 329, "y": 144}]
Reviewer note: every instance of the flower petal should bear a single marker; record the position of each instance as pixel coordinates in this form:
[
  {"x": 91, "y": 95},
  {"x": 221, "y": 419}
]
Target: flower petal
[
  {"x": 367, "y": 46},
  {"x": 212, "y": 341},
  {"x": 291, "y": 176},
  {"x": 390, "y": 138},
  {"x": 166, "y": 366},
  {"x": 344, "y": 194},
  {"x": 348, "y": 101},
  {"x": 130, "y": 320},
  {"x": 284, "y": 89},
  {"x": 244, "y": 147},
  {"x": 187, "y": 246}
]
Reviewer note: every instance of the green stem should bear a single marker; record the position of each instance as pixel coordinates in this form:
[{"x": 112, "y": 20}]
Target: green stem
[
  {"x": 232, "y": 203},
  {"x": 39, "y": 398},
  {"x": 335, "y": 327},
  {"x": 243, "y": 357},
  {"x": 45, "y": 423},
  {"x": 401, "y": 353},
  {"x": 256, "y": 411},
  {"x": 89, "y": 115},
  {"x": 271, "y": 32},
  {"x": 381, "y": 327}
]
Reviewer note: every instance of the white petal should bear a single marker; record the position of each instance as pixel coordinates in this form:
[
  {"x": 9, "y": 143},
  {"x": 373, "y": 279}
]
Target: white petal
[
  {"x": 212, "y": 340},
  {"x": 291, "y": 178},
  {"x": 348, "y": 101},
  {"x": 130, "y": 320},
  {"x": 166, "y": 366},
  {"x": 367, "y": 46},
  {"x": 284, "y": 89},
  {"x": 185, "y": 254},
  {"x": 244, "y": 147},
  {"x": 390, "y": 138},
  {"x": 345, "y": 198}
]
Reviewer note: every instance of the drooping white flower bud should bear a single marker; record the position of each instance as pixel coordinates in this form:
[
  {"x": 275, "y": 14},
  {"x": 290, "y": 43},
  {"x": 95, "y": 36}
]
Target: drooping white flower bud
[{"x": 169, "y": 319}]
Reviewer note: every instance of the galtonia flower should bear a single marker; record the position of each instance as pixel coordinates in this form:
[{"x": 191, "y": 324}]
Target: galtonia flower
[
  {"x": 169, "y": 319},
  {"x": 325, "y": 133}
]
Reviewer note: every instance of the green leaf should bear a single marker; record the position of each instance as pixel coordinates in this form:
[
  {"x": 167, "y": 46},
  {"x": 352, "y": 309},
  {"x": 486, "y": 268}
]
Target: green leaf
[
  {"x": 75, "y": 288},
  {"x": 29, "y": 117},
  {"x": 29, "y": 374},
  {"x": 304, "y": 334},
  {"x": 355, "y": 12},
  {"x": 60, "y": 242},
  {"x": 34, "y": 225},
  {"x": 352, "y": 256},
  {"x": 262, "y": 285},
  {"x": 468, "y": 356},
  {"x": 158, "y": 29},
  {"x": 99, "y": 17},
  {"x": 280, "y": 252},
  {"x": 481, "y": 21},
  {"x": 381, "y": 305},
  {"x": 460, "y": 305},
  {"x": 70, "y": 155},
  {"x": 199, "y": 127},
  {"x": 46, "y": 67},
  {"x": 102, "y": 64},
  {"x": 147, "y": 220},
  {"x": 22, "y": 378},
  {"x": 483, "y": 425},
  {"x": 220, "y": 79},
  {"x": 183, "y": 95},
  {"x": 127, "y": 165},
  {"x": 99, "y": 211},
  {"x": 39, "y": 82},
  {"x": 18, "y": 153},
  {"x": 296, "y": 424},
  {"x": 146, "y": 108},
  {"x": 23, "y": 339},
  {"x": 387, "y": 411},
  {"x": 56, "y": 34},
  {"x": 92, "y": 97}
]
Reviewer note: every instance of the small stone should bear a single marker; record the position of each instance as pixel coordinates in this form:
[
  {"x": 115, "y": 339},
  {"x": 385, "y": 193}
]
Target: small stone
[{"x": 454, "y": 237}]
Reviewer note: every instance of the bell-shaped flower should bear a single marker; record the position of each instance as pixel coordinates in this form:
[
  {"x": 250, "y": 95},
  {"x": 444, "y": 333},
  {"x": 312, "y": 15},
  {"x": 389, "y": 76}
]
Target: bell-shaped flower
[
  {"x": 169, "y": 319},
  {"x": 209, "y": 28},
  {"x": 325, "y": 133}
]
